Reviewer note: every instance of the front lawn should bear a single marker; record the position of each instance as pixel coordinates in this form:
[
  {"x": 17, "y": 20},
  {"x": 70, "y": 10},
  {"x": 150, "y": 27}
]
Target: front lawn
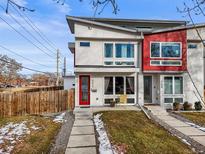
[
  {"x": 133, "y": 131},
  {"x": 196, "y": 117},
  {"x": 27, "y": 134}
]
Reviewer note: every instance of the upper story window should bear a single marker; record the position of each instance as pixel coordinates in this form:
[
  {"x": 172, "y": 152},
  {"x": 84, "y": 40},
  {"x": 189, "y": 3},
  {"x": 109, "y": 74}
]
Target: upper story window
[
  {"x": 108, "y": 50},
  {"x": 85, "y": 44},
  {"x": 119, "y": 54},
  {"x": 192, "y": 46},
  {"x": 165, "y": 50},
  {"x": 124, "y": 50}
]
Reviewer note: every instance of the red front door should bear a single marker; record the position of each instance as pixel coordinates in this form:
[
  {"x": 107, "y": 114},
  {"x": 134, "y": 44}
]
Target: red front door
[{"x": 85, "y": 90}]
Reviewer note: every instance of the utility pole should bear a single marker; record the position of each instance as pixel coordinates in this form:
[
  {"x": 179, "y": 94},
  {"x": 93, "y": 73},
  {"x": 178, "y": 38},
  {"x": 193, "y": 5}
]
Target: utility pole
[
  {"x": 64, "y": 69},
  {"x": 57, "y": 66}
]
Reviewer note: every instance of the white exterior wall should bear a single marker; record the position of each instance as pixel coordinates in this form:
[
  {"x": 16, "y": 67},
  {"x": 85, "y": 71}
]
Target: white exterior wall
[
  {"x": 69, "y": 82},
  {"x": 92, "y": 31}
]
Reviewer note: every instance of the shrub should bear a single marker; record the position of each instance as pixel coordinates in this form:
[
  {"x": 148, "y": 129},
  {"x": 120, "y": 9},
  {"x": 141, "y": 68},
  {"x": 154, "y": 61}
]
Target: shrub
[
  {"x": 176, "y": 106},
  {"x": 187, "y": 106},
  {"x": 198, "y": 106}
]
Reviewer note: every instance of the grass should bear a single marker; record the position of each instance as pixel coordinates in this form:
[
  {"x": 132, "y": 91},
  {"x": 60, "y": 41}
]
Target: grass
[
  {"x": 38, "y": 141},
  {"x": 196, "y": 117},
  {"x": 133, "y": 130}
]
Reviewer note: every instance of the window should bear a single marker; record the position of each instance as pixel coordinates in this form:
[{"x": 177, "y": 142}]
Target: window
[
  {"x": 85, "y": 44},
  {"x": 108, "y": 85},
  {"x": 178, "y": 100},
  {"x": 108, "y": 50},
  {"x": 124, "y": 63},
  {"x": 124, "y": 50},
  {"x": 108, "y": 101},
  {"x": 173, "y": 85},
  {"x": 119, "y": 85},
  {"x": 108, "y": 63},
  {"x": 170, "y": 49},
  {"x": 178, "y": 85},
  {"x": 166, "y": 62},
  {"x": 171, "y": 63},
  {"x": 155, "y": 50},
  {"x": 130, "y": 101},
  {"x": 130, "y": 85},
  {"x": 168, "y": 85},
  {"x": 165, "y": 50},
  {"x": 168, "y": 100},
  {"x": 192, "y": 46}
]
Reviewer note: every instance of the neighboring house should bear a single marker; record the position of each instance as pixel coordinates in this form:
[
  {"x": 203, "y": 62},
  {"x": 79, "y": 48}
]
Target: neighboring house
[
  {"x": 146, "y": 61},
  {"x": 69, "y": 81}
]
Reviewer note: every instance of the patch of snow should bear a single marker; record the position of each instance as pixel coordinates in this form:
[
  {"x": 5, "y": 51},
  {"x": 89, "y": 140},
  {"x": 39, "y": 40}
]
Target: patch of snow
[
  {"x": 35, "y": 127},
  {"x": 60, "y": 118},
  {"x": 11, "y": 133},
  {"x": 105, "y": 146},
  {"x": 184, "y": 140},
  {"x": 196, "y": 126}
]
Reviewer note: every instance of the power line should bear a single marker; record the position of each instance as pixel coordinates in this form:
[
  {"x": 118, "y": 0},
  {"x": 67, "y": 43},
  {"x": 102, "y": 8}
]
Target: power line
[
  {"x": 24, "y": 28},
  {"x": 24, "y": 37},
  {"x": 30, "y": 69},
  {"x": 29, "y": 22},
  {"x": 30, "y": 60}
]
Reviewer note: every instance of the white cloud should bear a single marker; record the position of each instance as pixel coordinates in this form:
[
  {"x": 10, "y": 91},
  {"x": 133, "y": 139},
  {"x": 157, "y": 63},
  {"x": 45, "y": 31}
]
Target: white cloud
[{"x": 64, "y": 8}]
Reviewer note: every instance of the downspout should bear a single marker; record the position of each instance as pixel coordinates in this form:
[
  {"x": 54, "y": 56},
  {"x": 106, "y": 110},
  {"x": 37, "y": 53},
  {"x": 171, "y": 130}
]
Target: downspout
[{"x": 141, "y": 107}]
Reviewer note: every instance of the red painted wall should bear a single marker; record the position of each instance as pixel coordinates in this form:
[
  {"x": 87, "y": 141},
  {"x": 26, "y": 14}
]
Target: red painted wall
[{"x": 174, "y": 36}]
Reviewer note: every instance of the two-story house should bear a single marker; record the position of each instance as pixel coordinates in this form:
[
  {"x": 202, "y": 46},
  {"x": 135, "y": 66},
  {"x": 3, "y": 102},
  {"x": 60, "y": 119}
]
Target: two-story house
[{"x": 148, "y": 61}]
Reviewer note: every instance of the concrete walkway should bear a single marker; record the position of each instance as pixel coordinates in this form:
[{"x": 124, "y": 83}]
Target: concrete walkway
[
  {"x": 184, "y": 128},
  {"x": 82, "y": 139}
]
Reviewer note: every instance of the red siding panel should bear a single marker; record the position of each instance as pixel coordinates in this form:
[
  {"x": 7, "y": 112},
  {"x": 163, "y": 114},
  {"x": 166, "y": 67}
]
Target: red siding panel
[{"x": 174, "y": 36}]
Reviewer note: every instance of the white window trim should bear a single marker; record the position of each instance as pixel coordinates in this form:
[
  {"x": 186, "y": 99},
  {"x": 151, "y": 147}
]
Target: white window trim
[
  {"x": 173, "y": 87},
  {"x": 164, "y": 64},
  {"x": 160, "y": 50},
  {"x": 114, "y": 95},
  {"x": 123, "y": 59}
]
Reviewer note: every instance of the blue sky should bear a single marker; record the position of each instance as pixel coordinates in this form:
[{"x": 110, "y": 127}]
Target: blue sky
[{"x": 50, "y": 18}]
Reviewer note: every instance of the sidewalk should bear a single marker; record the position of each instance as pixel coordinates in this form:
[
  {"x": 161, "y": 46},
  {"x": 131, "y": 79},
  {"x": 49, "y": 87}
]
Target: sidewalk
[
  {"x": 82, "y": 139},
  {"x": 184, "y": 128}
]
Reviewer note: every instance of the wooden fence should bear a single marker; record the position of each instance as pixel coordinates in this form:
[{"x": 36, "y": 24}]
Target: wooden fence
[{"x": 35, "y": 103}]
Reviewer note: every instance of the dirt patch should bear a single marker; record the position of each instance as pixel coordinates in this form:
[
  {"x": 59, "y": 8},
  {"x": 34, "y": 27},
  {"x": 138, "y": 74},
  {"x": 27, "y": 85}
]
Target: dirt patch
[{"x": 61, "y": 141}]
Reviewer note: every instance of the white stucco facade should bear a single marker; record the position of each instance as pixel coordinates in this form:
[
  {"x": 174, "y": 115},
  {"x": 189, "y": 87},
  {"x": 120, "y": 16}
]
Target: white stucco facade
[{"x": 90, "y": 62}]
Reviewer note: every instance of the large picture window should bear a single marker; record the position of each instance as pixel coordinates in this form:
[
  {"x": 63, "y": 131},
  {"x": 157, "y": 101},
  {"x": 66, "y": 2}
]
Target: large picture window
[
  {"x": 124, "y": 50},
  {"x": 122, "y": 85},
  {"x": 165, "y": 50},
  {"x": 173, "y": 85},
  {"x": 108, "y": 50},
  {"x": 119, "y": 54},
  {"x": 119, "y": 85},
  {"x": 108, "y": 85}
]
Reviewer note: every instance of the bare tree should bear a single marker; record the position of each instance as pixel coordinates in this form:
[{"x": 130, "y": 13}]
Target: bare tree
[
  {"x": 9, "y": 70},
  {"x": 197, "y": 7},
  {"x": 98, "y": 5}
]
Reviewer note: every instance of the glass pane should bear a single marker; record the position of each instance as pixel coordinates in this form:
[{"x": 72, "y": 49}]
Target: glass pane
[
  {"x": 108, "y": 85},
  {"x": 155, "y": 62},
  {"x": 178, "y": 85},
  {"x": 155, "y": 50},
  {"x": 119, "y": 85},
  {"x": 130, "y": 84},
  {"x": 108, "y": 63},
  {"x": 168, "y": 100},
  {"x": 168, "y": 85},
  {"x": 108, "y": 100},
  {"x": 124, "y": 50},
  {"x": 84, "y": 44},
  {"x": 130, "y": 100},
  {"x": 124, "y": 63},
  {"x": 171, "y": 63},
  {"x": 178, "y": 100},
  {"x": 171, "y": 50},
  {"x": 108, "y": 50},
  {"x": 84, "y": 88}
]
